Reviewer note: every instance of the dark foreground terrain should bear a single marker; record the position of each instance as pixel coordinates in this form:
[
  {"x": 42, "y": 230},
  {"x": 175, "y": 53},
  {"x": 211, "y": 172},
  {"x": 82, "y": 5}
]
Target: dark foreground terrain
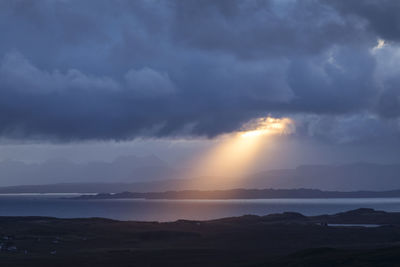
[{"x": 288, "y": 239}]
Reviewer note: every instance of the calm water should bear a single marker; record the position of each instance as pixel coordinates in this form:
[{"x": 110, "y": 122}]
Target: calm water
[{"x": 170, "y": 210}]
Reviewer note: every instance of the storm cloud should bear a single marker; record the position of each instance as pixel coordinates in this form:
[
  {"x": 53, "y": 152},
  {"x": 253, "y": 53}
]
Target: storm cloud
[{"x": 118, "y": 70}]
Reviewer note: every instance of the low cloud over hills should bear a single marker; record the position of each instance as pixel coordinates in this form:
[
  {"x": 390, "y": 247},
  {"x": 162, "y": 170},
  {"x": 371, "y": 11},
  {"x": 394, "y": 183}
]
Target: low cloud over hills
[{"x": 123, "y": 169}]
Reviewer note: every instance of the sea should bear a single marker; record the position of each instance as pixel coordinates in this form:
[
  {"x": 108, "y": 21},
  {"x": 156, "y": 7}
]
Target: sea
[{"x": 63, "y": 206}]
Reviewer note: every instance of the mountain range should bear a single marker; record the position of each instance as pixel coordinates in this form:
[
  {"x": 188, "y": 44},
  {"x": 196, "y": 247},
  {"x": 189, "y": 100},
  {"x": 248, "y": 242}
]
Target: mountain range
[
  {"x": 150, "y": 174},
  {"x": 124, "y": 169}
]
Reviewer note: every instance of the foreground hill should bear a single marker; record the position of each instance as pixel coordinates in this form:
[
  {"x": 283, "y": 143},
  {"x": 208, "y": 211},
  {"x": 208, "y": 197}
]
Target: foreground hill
[{"x": 286, "y": 239}]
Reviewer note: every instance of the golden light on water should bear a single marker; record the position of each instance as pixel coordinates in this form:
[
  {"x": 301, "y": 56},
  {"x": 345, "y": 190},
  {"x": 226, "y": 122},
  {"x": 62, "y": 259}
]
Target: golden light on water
[{"x": 233, "y": 154}]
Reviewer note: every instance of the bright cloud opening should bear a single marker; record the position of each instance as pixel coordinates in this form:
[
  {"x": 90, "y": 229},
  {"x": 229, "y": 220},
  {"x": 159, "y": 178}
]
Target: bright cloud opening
[
  {"x": 380, "y": 44},
  {"x": 268, "y": 126}
]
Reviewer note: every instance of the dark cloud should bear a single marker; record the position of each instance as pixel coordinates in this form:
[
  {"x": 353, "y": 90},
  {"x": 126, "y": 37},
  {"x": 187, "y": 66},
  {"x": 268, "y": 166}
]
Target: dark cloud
[
  {"x": 81, "y": 70},
  {"x": 255, "y": 29},
  {"x": 358, "y": 129},
  {"x": 380, "y": 17}
]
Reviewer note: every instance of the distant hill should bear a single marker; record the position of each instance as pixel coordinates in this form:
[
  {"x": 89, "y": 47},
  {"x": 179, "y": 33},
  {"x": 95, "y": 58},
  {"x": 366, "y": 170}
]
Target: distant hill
[
  {"x": 151, "y": 174},
  {"x": 126, "y": 169},
  {"x": 244, "y": 194},
  {"x": 346, "y": 177}
]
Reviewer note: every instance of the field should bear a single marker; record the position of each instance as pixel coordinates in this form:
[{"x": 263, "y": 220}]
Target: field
[{"x": 288, "y": 239}]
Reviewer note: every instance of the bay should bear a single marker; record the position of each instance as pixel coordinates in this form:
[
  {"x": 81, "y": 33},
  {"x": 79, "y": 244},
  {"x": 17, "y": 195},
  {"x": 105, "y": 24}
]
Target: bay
[{"x": 58, "y": 205}]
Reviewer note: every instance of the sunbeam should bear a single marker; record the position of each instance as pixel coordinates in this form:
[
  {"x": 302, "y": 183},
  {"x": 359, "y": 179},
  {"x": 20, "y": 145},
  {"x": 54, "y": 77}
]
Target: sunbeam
[{"x": 232, "y": 156}]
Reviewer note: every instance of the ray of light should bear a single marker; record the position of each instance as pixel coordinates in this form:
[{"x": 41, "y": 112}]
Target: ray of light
[{"x": 232, "y": 156}]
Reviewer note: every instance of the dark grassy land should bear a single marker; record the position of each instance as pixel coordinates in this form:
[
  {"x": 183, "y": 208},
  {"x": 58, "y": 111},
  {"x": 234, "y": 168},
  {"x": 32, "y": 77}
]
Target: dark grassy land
[{"x": 288, "y": 239}]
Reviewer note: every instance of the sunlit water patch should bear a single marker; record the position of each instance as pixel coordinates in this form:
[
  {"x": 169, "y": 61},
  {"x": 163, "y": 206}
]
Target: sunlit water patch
[{"x": 169, "y": 210}]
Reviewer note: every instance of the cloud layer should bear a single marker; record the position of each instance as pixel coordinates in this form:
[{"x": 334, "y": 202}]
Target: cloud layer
[{"x": 102, "y": 70}]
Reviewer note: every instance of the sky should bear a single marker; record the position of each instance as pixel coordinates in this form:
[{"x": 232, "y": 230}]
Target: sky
[{"x": 93, "y": 80}]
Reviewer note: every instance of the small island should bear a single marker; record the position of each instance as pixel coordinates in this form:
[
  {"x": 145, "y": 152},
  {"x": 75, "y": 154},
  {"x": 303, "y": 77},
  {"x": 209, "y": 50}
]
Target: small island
[{"x": 244, "y": 194}]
